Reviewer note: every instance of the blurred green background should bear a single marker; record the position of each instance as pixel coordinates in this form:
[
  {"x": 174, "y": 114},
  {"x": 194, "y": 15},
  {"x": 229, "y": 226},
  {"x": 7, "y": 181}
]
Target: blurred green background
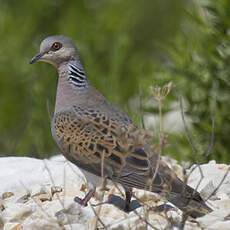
[{"x": 126, "y": 47}]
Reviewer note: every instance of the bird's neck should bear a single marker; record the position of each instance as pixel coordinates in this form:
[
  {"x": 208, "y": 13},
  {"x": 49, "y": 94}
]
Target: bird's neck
[
  {"x": 72, "y": 84},
  {"x": 76, "y": 75}
]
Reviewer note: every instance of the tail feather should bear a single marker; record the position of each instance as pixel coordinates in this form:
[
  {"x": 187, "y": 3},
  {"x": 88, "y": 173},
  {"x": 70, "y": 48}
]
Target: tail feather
[
  {"x": 178, "y": 192},
  {"x": 165, "y": 182},
  {"x": 188, "y": 200}
]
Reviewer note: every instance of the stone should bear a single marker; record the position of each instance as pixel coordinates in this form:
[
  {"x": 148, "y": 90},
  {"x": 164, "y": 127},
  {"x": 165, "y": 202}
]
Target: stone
[
  {"x": 16, "y": 212},
  {"x": 6, "y": 195},
  {"x": 1, "y": 222},
  {"x": 75, "y": 226},
  {"x": 13, "y": 226},
  {"x": 56, "y": 189},
  {"x": 225, "y": 225},
  {"x": 23, "y": 199},
  {"x": 1, "y": 205}
]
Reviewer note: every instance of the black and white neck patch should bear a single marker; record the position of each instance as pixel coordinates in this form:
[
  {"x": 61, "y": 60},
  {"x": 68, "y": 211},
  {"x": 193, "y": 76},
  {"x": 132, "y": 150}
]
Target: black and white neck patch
[{"x": 77, "y": 76}]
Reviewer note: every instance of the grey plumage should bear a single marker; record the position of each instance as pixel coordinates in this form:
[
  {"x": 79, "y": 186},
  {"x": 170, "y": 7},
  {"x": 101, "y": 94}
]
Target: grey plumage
[{"x": 86, "y": 127}]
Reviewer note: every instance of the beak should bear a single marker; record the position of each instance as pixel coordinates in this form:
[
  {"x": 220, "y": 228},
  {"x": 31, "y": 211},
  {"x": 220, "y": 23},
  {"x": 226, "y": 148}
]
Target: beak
[{"x": 36, "y": 58}]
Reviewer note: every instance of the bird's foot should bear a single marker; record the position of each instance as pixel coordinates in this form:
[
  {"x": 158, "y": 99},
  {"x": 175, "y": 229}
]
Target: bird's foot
[
  {"x": 82, "y": 202},
  {"x": 122, "y": 204},
  {"x": 85, "y": 200}
]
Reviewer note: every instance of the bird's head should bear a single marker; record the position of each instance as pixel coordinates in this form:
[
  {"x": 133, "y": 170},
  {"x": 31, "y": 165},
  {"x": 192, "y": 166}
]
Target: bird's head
[{"x": 55, "y": 50}]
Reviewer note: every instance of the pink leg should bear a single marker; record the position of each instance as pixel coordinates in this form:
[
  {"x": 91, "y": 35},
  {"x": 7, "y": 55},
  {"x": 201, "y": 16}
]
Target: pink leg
[{"x": 85, "y": 200}]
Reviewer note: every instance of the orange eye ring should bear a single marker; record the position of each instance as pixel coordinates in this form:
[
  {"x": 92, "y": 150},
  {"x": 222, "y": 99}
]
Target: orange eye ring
[{"x": 56, "y": 46}]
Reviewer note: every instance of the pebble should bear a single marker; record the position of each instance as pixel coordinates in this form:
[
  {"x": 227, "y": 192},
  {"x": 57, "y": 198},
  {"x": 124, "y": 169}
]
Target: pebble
[{"x": 6, "y": 195}]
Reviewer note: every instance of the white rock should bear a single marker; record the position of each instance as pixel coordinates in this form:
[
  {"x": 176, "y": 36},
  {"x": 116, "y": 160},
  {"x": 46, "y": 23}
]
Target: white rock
[
  {"x": 24, "y": 173},
  {"x": 45, "y": 223},
  {"x": 12, "y": 226},
  {"x": 16, "y": 212},
  {"x": 191, "y": 226},
  {"x": 24, "y": 176},
  {"x": 75, "y": 226},
  {"x": 222, "y": 209},
  {"x": 211, "y": 172},
  {"x": 225, "y": 225},
  {"x": 172, "y": 121}
]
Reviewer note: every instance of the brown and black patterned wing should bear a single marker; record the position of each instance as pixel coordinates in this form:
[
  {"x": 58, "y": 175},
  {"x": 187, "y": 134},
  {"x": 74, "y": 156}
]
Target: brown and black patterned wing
[{"x": 87, "y": 136}]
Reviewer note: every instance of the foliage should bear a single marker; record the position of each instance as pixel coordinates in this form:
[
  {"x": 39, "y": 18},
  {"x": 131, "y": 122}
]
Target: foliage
[
  {"x": 126, "y": 46},
  {"x": 200, "y": 66}
]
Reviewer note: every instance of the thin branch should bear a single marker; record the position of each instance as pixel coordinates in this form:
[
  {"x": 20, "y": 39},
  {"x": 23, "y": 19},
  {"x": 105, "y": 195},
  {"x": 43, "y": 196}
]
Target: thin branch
[
  {"x": 97, "y": 216},
  {"x": 141, "y": 109},
  {"x": 187, "y": 132},
  {"x": 212, "y": 138}
]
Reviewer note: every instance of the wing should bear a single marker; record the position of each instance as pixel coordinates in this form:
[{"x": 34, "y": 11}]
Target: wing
[{"x": 88, "y": 135}]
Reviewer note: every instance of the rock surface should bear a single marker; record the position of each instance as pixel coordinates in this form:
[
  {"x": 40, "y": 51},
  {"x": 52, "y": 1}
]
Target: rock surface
[{"x": 38, "y": 194}]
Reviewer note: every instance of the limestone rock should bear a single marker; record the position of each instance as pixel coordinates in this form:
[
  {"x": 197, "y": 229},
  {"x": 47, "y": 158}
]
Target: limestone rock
[
  {"x": 13, "y": 226},
  {"x": 45, "y": 200}
]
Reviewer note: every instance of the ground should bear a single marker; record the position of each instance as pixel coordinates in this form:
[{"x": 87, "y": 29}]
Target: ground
[{"x": 38, "y": 194}]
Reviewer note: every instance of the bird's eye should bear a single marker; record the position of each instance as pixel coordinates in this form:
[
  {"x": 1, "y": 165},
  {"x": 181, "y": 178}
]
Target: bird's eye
[{"x": 56, "y": 46}]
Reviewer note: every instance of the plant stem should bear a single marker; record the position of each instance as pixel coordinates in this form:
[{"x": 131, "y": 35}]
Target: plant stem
[{"x": 161, "y": 124}]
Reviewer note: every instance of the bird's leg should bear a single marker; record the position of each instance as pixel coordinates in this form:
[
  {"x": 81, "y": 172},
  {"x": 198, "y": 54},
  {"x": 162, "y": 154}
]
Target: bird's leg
[
  {"x": 90, "y": 193},
  {"x": 128, "y": 197},
  {"x": 123, "y": 204}
]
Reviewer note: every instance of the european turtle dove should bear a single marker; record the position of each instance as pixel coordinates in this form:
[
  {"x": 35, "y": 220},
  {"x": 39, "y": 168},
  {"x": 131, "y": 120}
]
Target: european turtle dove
[{"x": 87, "y": 129}]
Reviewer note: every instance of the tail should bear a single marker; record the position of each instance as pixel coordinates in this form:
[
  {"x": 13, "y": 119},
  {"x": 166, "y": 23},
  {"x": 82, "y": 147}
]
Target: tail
[
  {"x": 146, "y": 170},
  {"x": 178, "y": 192},
  {"x": 187, "y": 199},
  {"x": 166, "y": 183}
]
